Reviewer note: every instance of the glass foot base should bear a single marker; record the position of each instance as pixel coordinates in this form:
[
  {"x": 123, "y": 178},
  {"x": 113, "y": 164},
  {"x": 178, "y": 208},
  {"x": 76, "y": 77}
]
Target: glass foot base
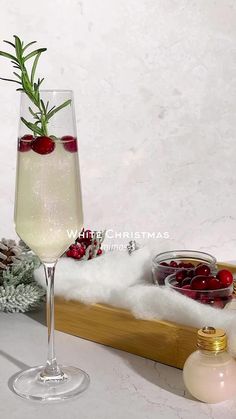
[{"x": 30, "y": 385}]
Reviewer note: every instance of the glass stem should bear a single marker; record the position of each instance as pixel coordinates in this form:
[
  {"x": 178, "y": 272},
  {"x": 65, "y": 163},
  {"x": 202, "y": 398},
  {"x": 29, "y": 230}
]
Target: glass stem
[{"x": 51, "y": 371}]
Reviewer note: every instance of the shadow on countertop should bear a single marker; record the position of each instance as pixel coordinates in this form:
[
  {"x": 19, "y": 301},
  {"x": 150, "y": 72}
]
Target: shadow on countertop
[
  {"x": 38, "y": 315},
  {"x": 21, "y": 365},
  {"x": 168, "y": 378}
]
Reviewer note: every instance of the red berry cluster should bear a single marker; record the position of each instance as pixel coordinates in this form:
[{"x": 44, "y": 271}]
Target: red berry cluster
[
  {"x": 76, "y": 251},
  {"x": 200, "y": 278},
  {"x": 199, "y": 283},
  {"x": 46, "y": 145},
  {"x": 175, "y": 264},
  {"x": 165, "y": 269},
  {"x": 87, "y": 246}
]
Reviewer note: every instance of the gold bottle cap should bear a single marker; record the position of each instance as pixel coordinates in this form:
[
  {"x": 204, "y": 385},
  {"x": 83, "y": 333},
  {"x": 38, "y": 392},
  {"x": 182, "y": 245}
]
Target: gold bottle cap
[{"x": 211, "y": 339}]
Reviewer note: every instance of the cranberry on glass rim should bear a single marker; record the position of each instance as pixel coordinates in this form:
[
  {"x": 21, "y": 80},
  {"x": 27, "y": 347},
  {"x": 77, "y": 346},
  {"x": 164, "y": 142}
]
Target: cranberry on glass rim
[
  {"x": 70, "y": 143},
  {"x": 25, "y": 142},
  {"x": 43, "y": 145}
]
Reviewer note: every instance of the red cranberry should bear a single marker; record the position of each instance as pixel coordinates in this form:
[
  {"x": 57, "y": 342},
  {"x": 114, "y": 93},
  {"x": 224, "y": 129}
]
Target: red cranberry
[
  {"x": 218, "y": 303},
  {"x": 225, "y": 277},
  {"x": 99, "y": 252},
  {"x": 186, "y": 281},
  {"x": 213, "y": 283},
  {"x": 85, "y": 238},
  {"x": 81, "y": 251},
  {"x": 88, "y": 235},
  {"x": 202, "y": 270},
  {"x": 191, "y": 273},
  {"x": 204, "y": 299},
  {"x": 186, "y": 290},
  {"x": 180, "y": 275},
  {"x": 78, "y": 256},
  {"x": 173, "y": 264},
  {"x": 80, "y": 237},
  {"x": 70, "y": 143},
  {"x": 24, "y": 143},
  {"x": 189, "y": 265},
  {"x": 81, "y": 241},
  {"x": 199, "y": 282},
  {"x": 181, "y": 265},
  {"x": 43, "y": 145},
  {"x": 74, "y": 253}
]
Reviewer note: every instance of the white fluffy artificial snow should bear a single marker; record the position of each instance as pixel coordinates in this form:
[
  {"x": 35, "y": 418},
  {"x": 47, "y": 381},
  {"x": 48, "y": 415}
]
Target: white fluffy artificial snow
[
  {"x": 97, "y": 279},
  {"x": 121, "y": 280}
]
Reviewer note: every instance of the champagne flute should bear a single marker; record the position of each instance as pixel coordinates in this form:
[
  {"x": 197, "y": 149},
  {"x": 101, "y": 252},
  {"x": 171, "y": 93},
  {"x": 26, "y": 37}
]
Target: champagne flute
[{"x": 48, "y": 209}]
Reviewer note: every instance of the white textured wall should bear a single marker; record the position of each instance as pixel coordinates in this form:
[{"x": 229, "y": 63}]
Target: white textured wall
[{"x": 155, "y": 93}]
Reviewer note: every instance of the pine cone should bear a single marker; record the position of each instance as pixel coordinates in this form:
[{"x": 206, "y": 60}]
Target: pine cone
[{"x": 9, "y": 253}]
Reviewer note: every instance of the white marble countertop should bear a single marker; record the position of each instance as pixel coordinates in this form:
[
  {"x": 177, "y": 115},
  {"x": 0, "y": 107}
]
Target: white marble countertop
[{"x": 123, "y": 386}]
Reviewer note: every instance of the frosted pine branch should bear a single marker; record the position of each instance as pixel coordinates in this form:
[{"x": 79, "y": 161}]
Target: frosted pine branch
[
  {"x": 18, "y": 290},
  {"x": 21, "y": 272},
  {"x": 21, "y": 298}
]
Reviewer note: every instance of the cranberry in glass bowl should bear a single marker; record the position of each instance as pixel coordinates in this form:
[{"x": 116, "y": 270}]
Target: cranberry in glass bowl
[
  {"x": 206, "y": 289},
  {"x": 167, "y": 263}
]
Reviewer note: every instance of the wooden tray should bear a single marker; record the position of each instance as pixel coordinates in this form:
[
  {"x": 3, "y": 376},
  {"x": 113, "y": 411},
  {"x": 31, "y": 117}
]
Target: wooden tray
[{"x": 166, "y": 342}]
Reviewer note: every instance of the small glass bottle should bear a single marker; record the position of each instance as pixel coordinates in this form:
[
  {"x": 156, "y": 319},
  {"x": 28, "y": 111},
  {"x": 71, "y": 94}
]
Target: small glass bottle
[{"x": 210, "y": 372}]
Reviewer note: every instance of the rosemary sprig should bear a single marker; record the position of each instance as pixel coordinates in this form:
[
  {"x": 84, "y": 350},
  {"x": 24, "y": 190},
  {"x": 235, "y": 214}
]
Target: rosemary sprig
[{"x": 26, "y": 80}]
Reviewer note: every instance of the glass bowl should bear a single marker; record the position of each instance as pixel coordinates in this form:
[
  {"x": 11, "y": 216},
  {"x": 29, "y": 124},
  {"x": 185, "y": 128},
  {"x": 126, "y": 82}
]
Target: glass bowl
[
  {"x": 216, "y": 298},
  {"x": 160, "y": 271}
]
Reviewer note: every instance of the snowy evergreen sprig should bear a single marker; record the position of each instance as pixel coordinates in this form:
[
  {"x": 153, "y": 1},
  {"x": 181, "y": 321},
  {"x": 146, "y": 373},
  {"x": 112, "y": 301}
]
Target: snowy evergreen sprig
[
  {"x": 21, "y": 298},
  {"x": 21, "y": 272},
  {"x": 18, "y": 290}
]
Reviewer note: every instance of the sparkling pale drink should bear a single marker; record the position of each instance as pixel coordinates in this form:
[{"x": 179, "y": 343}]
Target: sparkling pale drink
[
  {"x": 48, "y": 201},
  {"x": 48, "y": 218}
]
